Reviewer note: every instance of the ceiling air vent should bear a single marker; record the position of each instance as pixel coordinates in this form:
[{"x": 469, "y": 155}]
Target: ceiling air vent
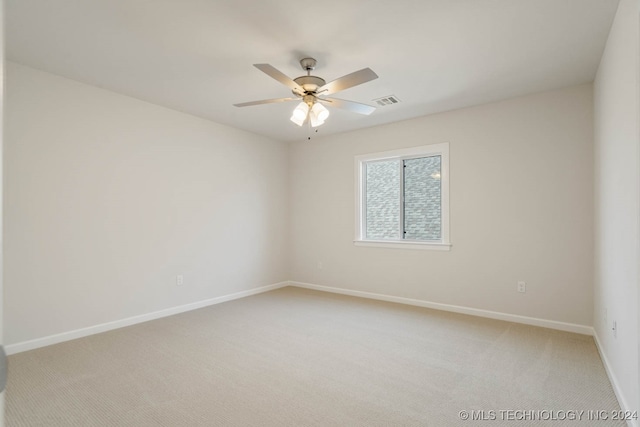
[{"x": 387, "y": 100}]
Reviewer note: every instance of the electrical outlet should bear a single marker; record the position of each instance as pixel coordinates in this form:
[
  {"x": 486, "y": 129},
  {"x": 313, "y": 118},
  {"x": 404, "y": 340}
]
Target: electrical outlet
[
  {"x": 320, "y": 265},
  {"x": 179, "y": 280},
  {"x": 522, "y": 286},
  {"x": 615, "y": 329}
]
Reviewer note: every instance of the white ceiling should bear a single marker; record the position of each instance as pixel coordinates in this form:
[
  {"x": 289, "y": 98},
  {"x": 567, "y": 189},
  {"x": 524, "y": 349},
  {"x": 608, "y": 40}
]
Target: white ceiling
[{"x": 196, "y": 56}]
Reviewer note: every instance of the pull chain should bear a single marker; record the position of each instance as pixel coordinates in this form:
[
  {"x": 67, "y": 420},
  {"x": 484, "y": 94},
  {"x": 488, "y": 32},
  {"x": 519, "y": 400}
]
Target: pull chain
[{"x": 309, "y": 127}]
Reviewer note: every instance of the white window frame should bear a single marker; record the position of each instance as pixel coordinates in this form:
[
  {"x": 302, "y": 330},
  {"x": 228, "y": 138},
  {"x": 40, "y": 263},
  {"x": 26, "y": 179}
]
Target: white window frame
[{"x": 442, "y": 150}]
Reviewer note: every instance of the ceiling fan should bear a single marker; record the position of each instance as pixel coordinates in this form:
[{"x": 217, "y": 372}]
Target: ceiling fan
[{"x": 313, "y": 92}]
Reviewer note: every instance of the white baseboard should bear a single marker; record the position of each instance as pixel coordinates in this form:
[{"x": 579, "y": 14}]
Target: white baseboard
[
  {"x": 96, "y": 329},
  {"x": 552, "y": 324},
  {"x": 624, "y": 405}
]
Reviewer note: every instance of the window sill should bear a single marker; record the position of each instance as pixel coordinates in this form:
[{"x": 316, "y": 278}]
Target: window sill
[{"x": 430, "y": 246}]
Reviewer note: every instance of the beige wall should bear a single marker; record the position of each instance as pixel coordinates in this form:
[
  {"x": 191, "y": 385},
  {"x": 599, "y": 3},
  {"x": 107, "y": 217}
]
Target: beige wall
[
  {"x": 617, "y": 212},
  {"x": 108, "y": 198},
  {"x": 521, "y": 209}
]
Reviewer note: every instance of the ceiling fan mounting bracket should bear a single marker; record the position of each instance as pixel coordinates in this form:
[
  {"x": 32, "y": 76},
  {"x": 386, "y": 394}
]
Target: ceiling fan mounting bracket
[{"x": 308, "y": 64}]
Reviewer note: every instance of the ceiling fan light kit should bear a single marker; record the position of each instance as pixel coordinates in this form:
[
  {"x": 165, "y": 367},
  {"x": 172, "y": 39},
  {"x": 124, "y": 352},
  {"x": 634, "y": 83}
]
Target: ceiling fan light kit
[
  {"x": 300, "y": 112},
  {"x": 320, "y": 111},
  {"x": 318, "y": 114},
  {"x": 312, "y": 90}
]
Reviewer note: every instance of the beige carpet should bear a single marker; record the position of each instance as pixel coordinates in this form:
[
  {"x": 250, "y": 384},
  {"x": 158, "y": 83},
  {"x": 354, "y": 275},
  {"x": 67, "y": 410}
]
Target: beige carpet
[{"x": 295, "y": 357}]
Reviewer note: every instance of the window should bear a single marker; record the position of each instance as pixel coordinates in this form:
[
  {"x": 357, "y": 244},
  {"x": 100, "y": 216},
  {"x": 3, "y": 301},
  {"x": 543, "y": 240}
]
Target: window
[{"x": 402, "y": 198}]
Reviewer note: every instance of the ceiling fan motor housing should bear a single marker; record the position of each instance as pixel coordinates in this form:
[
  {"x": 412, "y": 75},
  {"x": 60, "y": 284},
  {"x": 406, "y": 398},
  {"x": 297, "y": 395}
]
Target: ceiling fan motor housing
[{"x": 310, "y": 84}]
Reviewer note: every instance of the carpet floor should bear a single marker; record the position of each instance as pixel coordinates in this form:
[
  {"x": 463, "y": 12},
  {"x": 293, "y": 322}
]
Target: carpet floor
[{"x": 296, "y": 357}]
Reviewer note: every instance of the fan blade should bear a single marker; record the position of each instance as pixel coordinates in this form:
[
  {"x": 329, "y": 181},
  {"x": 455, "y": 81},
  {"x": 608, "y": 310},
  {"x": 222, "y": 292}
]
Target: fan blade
[
  {"x": 350, "y": 80},
  {"x": 265, "y": 101},
  {"x": 279, "y": 76},
  {"x": 354, "y": 107}
]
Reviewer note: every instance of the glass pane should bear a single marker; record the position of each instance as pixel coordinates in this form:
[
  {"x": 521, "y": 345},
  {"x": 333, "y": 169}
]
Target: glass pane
[
  {"x": 422, "y": 199},
  {"x": 383, "y": 200}
]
